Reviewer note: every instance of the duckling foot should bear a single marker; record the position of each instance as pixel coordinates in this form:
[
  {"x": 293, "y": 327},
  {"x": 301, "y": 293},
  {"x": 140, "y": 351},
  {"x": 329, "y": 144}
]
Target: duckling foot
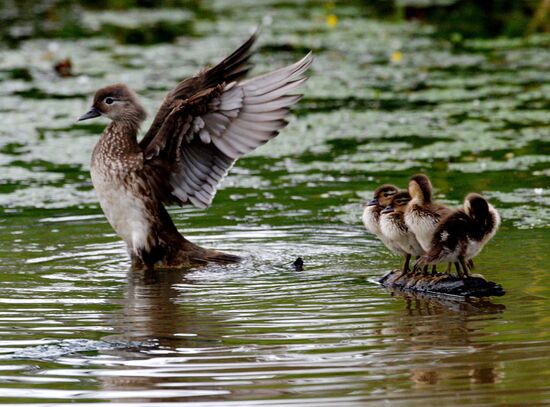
[
  {"x": 471, "y": 286},
  {"x": 464, "y": 266},
  {"x": 459, "y": 272},
  {"x": 406, "y": 264}
]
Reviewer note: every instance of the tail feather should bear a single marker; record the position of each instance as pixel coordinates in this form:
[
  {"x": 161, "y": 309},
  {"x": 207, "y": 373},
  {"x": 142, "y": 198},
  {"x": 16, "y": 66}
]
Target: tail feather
[
  {"x": 213, "y": 256},
  {"x": 197, "y": 254}
]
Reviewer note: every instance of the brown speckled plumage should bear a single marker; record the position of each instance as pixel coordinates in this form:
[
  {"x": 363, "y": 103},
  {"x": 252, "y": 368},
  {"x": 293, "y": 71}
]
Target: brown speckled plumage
[{"x": 203, "y": 126}]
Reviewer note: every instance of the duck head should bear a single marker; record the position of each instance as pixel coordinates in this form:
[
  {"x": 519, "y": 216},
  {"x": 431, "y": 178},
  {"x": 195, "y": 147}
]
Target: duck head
[
  {"x": 398, "y": 203},
  {"x": 119, "y": 103},
  {"x": 420, "y": 188},
  {"x": 476, "y": 207},
  {"x": 382, "y": 195}
]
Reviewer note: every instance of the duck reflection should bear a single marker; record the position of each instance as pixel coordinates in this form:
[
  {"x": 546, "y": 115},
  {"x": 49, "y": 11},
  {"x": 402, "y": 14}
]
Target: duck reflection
[
  {"x": 154, "y": 311},
  {"x": 166, "y": 339},
  {"x": 449, "y": 325}
]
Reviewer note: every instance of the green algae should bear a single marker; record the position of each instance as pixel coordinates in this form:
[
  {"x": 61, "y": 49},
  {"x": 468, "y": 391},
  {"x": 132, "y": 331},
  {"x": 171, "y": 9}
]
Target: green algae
[{"x": 386, "y": 99}]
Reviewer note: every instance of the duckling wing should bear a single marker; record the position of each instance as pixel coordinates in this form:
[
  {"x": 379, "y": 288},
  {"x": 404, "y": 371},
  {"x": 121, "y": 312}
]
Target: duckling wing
[
  {"x": 449, "y": 237},
  {"x": 203, "y": 135},
  {"x": 233, "y": 68}
]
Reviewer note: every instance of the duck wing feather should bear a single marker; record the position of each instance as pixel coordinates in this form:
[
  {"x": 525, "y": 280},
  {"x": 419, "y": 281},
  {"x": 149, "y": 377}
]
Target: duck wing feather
[
  {"x": 233, "y": 68},
  {"x": 201, "y": 136}
]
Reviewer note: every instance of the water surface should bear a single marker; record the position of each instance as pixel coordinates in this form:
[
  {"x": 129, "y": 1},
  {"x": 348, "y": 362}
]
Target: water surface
[{"x": 385, "y": 100}]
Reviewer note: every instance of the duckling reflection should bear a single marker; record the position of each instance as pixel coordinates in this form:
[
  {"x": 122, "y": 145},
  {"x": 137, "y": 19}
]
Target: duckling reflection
[
  {"x": 461, "y": 235},
  {"x": 436, "y": 323},
  {"x": 394, "y": 229}
]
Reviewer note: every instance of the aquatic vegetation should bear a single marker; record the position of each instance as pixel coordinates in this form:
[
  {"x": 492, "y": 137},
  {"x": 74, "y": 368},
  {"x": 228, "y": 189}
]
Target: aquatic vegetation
[{"x": 472, "y": 114}]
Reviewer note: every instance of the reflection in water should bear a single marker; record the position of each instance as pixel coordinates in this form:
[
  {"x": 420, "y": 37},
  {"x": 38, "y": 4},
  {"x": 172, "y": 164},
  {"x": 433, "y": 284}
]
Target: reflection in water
[
  {"x": 449, "y": 324},
  {"x": 475, "y": 117},
  {"x": 164, "y": 330},
  {"x": 151, "y": 311}
]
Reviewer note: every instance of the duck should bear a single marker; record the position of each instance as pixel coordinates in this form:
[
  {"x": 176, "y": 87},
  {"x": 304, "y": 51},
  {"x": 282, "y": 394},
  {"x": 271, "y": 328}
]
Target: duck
[
  {"x": 395, "y": 230},
  {"x": 371, "y": 212},
  {"x": 422, "y": 215},
  {"x": 204, "y": 125},
  {"x": 462, "y": 234}
]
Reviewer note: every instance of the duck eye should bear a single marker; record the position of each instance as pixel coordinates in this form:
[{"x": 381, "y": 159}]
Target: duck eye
[{"x": 109, "y": 101}]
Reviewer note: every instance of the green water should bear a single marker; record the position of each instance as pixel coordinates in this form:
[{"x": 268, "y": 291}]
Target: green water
[{"x": 385, "y": 100}]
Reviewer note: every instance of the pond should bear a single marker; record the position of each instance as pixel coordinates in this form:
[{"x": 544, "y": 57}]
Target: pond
[{"x": 385, "y": 100}]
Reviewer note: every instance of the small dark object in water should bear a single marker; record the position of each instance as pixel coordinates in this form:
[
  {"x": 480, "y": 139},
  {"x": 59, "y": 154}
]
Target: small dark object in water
[
  {"x": 64, "y": 68},
  {"x": 472, "y": 286},
  {"x": 298, "y": 264}
]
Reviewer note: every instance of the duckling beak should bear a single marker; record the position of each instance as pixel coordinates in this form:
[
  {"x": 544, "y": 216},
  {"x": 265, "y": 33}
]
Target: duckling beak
[
  {"x": 93, "y": 112},
  {"x": 388, "y": 209},
  {"x": 372, "y": 202}
]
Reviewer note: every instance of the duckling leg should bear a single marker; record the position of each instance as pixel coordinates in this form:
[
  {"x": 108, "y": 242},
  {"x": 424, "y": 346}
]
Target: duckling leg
[
  {"x": 458, "y": 270},
  {"x": 464, "y": 265},
  {"x": 471, "y": 264},
  {"x": 449, "y": 265},
  {"x": 416, "y": 264},
  {"x": 434, "y": 270},
  {"x": 425, "y": 270},
  {"x": 405, "y": 268}
]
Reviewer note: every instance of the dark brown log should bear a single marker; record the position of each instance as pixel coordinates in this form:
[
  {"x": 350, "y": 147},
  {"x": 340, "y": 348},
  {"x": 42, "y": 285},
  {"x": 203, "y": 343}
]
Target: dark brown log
[
  {"x": 442, "y": 284},
  {"x": 423, "y": 304}
]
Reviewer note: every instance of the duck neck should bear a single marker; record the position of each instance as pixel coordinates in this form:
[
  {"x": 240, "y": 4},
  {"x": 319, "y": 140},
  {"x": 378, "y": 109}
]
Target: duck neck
[
  {"x": 422, "y": 198},
  {"x": 117, "y": 144},
  {"x": 121, "y": 137}
]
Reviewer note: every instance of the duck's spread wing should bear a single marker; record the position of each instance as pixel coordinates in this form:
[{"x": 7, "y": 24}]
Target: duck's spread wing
[
  {"x": 202, "y": 136},
  {"x": 233, "y": 68}
]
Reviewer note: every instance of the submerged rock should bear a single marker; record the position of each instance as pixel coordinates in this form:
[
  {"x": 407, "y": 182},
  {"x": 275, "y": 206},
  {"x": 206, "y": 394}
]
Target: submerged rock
[{"x": 473, "y": 286}]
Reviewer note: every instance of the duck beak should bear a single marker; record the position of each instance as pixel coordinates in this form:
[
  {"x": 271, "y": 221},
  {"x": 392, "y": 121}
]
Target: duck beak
[
  {"x": 388, "y": 209},
  {"x": 93, "y": 112},
  {"x": 372, "y": 202}
]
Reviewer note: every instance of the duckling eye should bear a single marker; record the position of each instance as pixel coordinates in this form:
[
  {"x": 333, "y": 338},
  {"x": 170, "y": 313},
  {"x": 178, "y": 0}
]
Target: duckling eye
[{"x": 109, "y": 101}]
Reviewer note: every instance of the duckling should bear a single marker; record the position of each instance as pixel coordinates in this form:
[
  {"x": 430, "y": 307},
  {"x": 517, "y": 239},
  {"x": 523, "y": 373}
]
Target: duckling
[
  {"x": 394, "y": 228},
  {"x": 422, "y": 214},
  {"x": 371, "y": 216},
  {"x": 371, "y": 213},
  {"x": 462, "y": 234}
]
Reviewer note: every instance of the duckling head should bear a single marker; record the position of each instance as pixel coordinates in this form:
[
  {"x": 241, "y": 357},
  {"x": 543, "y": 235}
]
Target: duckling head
[
  {"x": 476, "y": 207},
  {"x": 398, "y": 203},
  {"x": 420, "y": 188},
  {"x": 119, "y": 103},
  {"x": 383, "y": 195}
]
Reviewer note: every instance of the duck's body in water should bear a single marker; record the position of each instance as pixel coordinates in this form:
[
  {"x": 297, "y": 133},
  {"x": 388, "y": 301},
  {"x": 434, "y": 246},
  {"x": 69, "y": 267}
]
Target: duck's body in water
[{"x": 203, "y": 126}]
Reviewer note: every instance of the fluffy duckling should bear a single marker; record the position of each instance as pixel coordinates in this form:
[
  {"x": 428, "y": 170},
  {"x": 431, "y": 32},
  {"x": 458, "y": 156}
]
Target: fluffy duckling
[
  {"x": 395, "y": 230},
  {"x": 422, "y": 215},
  {"x": 371, "y": 213},
  {"x": 462, "y": 234},
  {"x": 371, "y": 216}
]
